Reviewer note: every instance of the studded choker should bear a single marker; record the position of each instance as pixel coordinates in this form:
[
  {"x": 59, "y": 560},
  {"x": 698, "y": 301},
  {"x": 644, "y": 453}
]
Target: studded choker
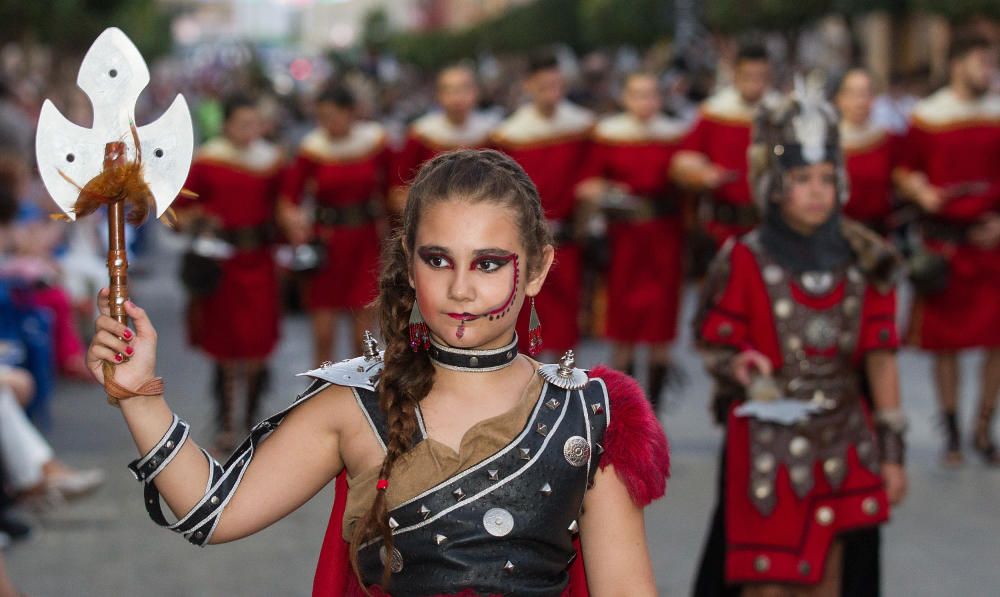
[{"x": 480, "y": 361}]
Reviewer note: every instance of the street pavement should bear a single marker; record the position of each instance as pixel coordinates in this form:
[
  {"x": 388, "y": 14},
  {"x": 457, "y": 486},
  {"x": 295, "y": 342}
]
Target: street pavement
[{"x": 942, "y": 542}]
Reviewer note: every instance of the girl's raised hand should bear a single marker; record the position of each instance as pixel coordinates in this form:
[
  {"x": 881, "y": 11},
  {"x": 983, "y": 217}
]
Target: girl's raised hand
[{"x": 132, "y": 352}]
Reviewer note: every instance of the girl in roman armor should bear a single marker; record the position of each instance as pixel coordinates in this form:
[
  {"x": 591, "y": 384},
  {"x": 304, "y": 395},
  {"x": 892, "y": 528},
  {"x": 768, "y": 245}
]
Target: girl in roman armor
[
  {"x": 797, "y": 322},
  {"x": 471, "y": 468}
]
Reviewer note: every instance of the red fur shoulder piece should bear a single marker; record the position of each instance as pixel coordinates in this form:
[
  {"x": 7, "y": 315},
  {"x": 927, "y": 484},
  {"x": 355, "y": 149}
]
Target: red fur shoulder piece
[{"x": 635, "y": 443}]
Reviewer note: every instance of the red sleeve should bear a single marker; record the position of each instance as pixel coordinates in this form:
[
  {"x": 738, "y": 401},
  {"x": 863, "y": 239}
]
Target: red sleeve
[
  {"x": 595, "y": 162},
  {"x": 913, "y": 151},
  {"x": 878, "y": 322},
  {"x": 694, "y": 140},
  {"x": 301, "y": 170},
  {"x": 736, "y": 308},
  {"x": 634, "y": 442}
]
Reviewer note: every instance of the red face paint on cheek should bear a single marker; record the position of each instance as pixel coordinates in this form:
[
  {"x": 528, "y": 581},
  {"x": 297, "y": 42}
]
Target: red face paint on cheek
[{"x": 503, "y": 309}]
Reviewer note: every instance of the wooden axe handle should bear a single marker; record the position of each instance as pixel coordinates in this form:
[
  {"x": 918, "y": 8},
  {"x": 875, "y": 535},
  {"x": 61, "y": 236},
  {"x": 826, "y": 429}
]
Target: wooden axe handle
[{"x": 114, "y": 155}]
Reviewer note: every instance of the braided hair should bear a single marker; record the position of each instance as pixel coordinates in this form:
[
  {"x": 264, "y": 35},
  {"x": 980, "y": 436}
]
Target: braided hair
[{"x": 407, "y": 376}]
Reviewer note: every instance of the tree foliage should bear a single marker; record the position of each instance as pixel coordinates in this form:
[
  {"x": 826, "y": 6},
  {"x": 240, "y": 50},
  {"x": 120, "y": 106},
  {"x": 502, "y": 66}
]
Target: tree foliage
[
  {"x": 70, "y": 26},
  {"x": 616, "y": 22},
  {"x": 960, "y": 10}
]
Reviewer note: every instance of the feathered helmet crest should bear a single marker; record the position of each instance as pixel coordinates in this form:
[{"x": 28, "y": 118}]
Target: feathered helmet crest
[{"x": 795, "y": 130}]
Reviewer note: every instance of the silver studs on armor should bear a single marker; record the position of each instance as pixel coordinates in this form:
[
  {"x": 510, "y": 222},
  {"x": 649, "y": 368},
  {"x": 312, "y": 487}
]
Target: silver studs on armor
[
  {"x": 783, "y": 308},
  {"x": 459, "y": 494},
  {"x": 425, "y": 512},
  {"x": 574, "y": 527},
  {"x": 553, "y": 404},
  {"x": 764, "y": 462},
  {"x": 393, "y": 523},
  {"x": 542, "y": 429},
  {"x": 824, "y": 515},
  {"x": 494, "y": 474},
  {"x": 762, "y": 490},
  {"x": 524, "y": 453},
  {"x": 508, "y": 567},
  {"x": 597, "y": 408},
  {"x": 439, "y": 539},
  {"x": 546, "y": 490},
  {"x": 762, "y": 564}
]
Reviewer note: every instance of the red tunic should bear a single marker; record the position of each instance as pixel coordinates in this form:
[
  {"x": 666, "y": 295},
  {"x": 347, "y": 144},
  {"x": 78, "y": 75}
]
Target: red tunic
[
  {"x": 870, "y": 154},
  {"x": 790, "y": 544},
  {"x": 645, "y": 274},
  {"x": 553, "y": 152},
  {"x": 956, "y": 142},
  {"x": 722, "y": 134},
  {"x": 432, "y": 134},
  {"x": 240, "y": 319},
  {"x": 345, "y": 173}
]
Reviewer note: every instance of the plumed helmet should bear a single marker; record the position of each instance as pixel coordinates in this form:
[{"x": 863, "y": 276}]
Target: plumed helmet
[{"x": 794, "y": 130}]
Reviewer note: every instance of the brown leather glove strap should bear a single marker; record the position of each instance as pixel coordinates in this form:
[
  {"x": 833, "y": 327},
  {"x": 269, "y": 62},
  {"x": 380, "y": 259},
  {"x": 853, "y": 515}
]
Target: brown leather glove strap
[{"x": 117, "y": 392}]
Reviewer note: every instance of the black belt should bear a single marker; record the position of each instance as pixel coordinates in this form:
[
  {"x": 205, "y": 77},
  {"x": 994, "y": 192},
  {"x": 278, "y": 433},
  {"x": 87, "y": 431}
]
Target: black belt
[
  {"x": 350, "y": 216},
  {"x": 249, "y": 238},
  {"x": 731, "y": 214},
  {"x": 946, "y": 230}
]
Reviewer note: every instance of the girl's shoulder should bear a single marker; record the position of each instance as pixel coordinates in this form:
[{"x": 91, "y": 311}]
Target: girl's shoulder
[{"x": 635, "y": 444}]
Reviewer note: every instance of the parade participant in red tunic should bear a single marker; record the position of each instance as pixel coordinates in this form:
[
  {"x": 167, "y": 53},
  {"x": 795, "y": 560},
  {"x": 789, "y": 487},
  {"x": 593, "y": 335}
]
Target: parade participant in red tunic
[
  {"x": 455, "y": 126},
  {"x": 344, "y": 165},
  {"x": 237, "y": 178},
  {"x": 950, "y": 170},
  {"x": 630, "y": 159},
  {"x": 549, "y": 138},
  {"x": 793, "y": 316},
  {"x": 714, "y": 156},
  {"x": 870, "y": 152}
]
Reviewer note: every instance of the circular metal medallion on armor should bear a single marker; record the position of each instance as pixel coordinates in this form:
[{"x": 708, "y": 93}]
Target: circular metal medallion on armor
[
  {"x": 397, "y": 559},
  {"x": 850, "y": 305},
  {"x": 773, "y": 274},
  {"x": 762, "y": 490},
  {"x": 764, "y": 462},
  {"x": 817, "y": 282},
  {"x": 498, "y": 522},
  {"x": 794, "y": 342},
  {"x": 798, "y": 447},
  {"x": 576, "y": 451},
  {"x": 869, "y": 506},
  {"x": 783, "y": 308},
  {"x": 824, "y": 516},
  {"x": 799, "y": 474},
  {"x": 821, "y": 333}
]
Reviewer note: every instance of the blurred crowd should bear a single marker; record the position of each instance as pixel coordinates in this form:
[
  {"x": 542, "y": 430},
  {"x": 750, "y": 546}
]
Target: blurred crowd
[{"x": 50, "y": 271}]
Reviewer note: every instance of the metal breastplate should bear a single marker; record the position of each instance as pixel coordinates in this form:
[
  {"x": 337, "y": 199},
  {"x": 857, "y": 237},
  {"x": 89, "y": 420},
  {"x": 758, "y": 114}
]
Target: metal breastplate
[
  {"x": 817, "y": 346},
  {"x": 505, "y": 525}
]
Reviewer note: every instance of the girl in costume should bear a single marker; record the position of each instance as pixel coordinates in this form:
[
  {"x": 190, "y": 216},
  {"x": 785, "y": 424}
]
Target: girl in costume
[
  {"x": 472, "y": 469},
  {"x": 797, "y": 317}
]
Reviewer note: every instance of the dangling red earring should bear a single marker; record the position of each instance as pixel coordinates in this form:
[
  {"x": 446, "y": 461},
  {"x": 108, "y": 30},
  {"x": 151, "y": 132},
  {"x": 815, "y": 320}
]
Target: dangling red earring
[
  {"x": 420, "y": 336},
  {"x": 534, "y": 331}
]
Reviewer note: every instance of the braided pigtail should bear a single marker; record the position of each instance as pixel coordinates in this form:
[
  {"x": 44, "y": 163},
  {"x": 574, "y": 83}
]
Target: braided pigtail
[{"x": 407, "y": 376}]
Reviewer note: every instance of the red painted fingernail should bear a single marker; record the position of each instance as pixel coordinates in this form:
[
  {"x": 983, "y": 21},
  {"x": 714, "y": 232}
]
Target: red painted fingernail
[
  {"x": 128, "y": 350},
  {"x": 118, "y": 358},
  {"x": 127, "y": 334}
]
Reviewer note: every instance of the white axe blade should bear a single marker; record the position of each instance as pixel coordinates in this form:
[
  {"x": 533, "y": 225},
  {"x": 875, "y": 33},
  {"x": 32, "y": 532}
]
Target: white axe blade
[{"x": 113, "y": 74}]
